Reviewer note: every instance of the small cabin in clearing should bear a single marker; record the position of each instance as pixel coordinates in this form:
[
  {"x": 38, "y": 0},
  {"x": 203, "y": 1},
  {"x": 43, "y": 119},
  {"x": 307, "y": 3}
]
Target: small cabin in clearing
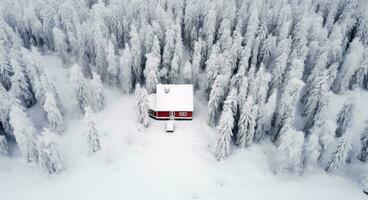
[{"x": 171, "y": 102}]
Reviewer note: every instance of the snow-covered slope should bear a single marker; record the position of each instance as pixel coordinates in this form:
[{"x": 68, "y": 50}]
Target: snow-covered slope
[{"x": 139, "y": 163}]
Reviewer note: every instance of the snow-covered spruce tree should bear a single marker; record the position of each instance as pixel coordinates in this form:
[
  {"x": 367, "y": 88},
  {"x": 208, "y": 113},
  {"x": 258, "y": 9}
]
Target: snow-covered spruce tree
[
  {"x": 142, "y": 105},
  {"x": 344, "y": 118},
  {"x": 177, "y": 59},
  {"x": 278, "y": 70},
  {"x": 80, "y": 87},
  {"x": 5, "y": 106},
  {"x": 188, "y": 72},
  {"x": 4, "y": 151},
  {"x": 319, "y": 136},
  {"x": 268, "y": 48},
  {"x": 146, "y": 34},
  {"x": 61, "y": 45},
  {"x": 289, "y": 150},
  {"x": 196, "y": 62},
  {"x": 125, "y": 76},
  {"x": 287, "y": 106},
  {"x": 226, "y": 125},
  {"x": 97, "y": 98},
  {"x": 113, "y": 65},
  {"x": 212, "y": 66},
  {"x": 38, "y": 78},
  {"x": 99, "y": 34},
  {"x": 216, "y": 97},
  {"x": 53, "y": 114},
  {"x": 225, "y": 39},
  {"x": 247, "y": 123},
  {"x": 264, "y": 118},
  {"x": 168, "y": 53},
  {"x": 351, "y": 63},
  {"x": 24, "y": 132},
  {"x": 21, "y": 87},
  {"x": 91, "y": 133},
  {"x": 341, "y": 155},
  {"x": 6, "y": 70},
  {"x": 156, "y": 47},
  {"x": 151, "y": 72},
  {"x": 313, "y": 85},
  {"x": 136, "y": 56},
  {"x": 363, "y": 156},
  {"x": 209, "y": 26},
  {"x": 49, "y": 157}
]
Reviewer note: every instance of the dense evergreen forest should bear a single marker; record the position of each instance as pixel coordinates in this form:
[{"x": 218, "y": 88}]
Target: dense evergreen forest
[{"x": 267, "y": 68}]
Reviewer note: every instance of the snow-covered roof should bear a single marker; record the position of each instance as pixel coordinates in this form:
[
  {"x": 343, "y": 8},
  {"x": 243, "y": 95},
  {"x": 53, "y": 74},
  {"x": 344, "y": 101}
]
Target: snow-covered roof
[{"x": 172, "y": 98}]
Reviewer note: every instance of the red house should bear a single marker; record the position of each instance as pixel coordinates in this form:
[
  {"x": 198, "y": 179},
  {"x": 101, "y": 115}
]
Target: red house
[{"x": 171, "y": 102}]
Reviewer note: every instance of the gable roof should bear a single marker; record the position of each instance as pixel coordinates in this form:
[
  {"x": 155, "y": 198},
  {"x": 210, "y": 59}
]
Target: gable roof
[{"x": 170, "y": 97}]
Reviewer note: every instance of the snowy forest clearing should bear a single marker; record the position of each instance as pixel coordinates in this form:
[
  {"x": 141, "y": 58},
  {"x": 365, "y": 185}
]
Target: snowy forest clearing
[
  {"x": 280, "y": 98},
  {"x": 155, "y": 165},
  {"x": 140, "y": 164}
]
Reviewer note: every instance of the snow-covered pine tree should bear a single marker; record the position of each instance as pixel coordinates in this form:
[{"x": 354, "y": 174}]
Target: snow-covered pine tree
[
  {"x": 363, "y": 156},
  {"x": 168, "y": 53},
  {"x": 24, "y": 132},
  {"x": 351, "y": 63},
  {"x": 246, "y": 123},
  {"x": 61, "y": 45},
  {"x": 6, "y": 70},
  {"x": 209, "y": 26},
  {"x": 188, "y": 75},
  {"x": 344, "y": 118},
  {"x": 53, "y": 114},
  {"x": 287, "y": 106},
  {"x": 4, "y": 151},
  {"x": 319, "y": 136},
  {"x": 278, "y": 70},
  {"x": 212, "y": 66},
  {"x": 196, "y": 62},
  {"x": 312, "y": 150},
  {"x": 125, "y": 76},
  {"x": 91, "y": 133},
  {"x": 142, "y": 105},
  {"x": 177, "y": 59},
  {"x": 21, "y": 88},
  {"x": 136, "y": 57},
  {"x": 49, "y": 157},
  {"x": 226, "y": 125},
  {"x": 151, "y": 72},
  {"x": 156, "y": 48},
  {"x": 96, "y": 93},
  {"x": 264, "y": 118},
  {"x": 113, "y": 65},
  {"x": 289, "y": 150},
  {"x": 216, "y": 97},
  {"x": 267, "y": 50},
  {"x": 5, "y": 106},
  {"x": 312, "y": 90},
  {"x": 341, "y": 155},
  {"x": 80, "y": 87}
]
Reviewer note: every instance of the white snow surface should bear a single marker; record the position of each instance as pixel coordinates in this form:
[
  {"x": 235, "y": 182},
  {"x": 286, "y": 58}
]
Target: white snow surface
[{"x": 138, "y": 163}]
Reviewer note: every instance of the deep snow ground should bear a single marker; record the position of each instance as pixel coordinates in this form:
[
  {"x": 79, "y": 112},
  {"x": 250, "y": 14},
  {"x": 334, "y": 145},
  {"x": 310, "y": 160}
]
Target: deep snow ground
[{"x": 138, "y": 163}]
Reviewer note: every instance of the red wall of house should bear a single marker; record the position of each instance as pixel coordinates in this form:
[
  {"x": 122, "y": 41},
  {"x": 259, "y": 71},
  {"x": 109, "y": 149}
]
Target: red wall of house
[
  {"x": 162, "y": 114},
  {"x": 166, "y": 114}
]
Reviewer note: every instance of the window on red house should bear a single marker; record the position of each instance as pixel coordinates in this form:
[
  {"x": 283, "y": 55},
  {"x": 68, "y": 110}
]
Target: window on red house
[{"x": 182, "y": 114}]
